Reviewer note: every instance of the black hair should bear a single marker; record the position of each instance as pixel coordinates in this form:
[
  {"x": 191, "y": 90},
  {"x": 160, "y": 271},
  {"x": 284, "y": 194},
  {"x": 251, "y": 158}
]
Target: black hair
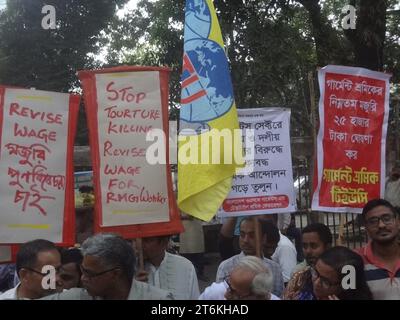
[
  {"x": 337, "y": 258},
  {"x": 247, "y": 218},
  {"x": 376, "y": 203},
  {"x": 323, "y": 231},
  {"x": 72, "y": 255},
  {"x": 163, "y": 238},
  {"x": 270, "y": 230},
  {"x": 27, "y": 254}
]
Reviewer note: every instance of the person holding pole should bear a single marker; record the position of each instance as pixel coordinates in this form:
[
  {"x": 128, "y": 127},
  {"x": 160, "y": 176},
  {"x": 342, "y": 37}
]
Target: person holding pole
[{"x": 168, "y": 271}]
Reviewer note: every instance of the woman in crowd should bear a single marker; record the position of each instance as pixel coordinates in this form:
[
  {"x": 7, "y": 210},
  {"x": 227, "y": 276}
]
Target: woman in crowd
[{"x": 330, "y": 270}]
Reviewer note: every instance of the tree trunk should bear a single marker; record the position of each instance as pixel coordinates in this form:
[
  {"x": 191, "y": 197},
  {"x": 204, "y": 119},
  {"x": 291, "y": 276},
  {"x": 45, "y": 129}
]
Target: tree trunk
[
  {"x": 370, "y": 34},
  {"x": 328, "y": 47}
]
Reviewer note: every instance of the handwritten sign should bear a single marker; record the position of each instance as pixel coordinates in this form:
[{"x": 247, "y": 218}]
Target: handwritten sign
[
  {"x": 268, "y": 186},
  {"x": 37, "y": 132},
  {"x": 129, "y": 191},
  {"x": 353, "y": 108}
]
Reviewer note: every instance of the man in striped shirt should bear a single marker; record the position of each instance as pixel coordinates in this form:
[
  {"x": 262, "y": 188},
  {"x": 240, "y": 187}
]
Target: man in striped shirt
[{"x": 382, "y": 254}]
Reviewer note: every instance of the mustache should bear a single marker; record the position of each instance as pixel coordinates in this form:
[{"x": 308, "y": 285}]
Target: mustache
[{"x": 381, "y": 230}]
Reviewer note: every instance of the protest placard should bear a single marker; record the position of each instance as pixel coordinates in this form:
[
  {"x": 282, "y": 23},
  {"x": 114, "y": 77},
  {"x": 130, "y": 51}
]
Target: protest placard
[
  {"x": 132, "y": 195},
  {"x": 37, "y": 131},
  {"x": 266, "y": 184},
  {"x": 351, "y": 142}
]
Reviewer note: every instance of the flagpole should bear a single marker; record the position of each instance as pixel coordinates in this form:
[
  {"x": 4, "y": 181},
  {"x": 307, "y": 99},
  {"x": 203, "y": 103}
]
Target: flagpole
[
  {"x": 257, "y": 236},
  {"x": 139, "y": 251}
]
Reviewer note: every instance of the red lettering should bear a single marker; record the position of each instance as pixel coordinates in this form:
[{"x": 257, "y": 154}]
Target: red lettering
[
  {"x": 42, "y": 134},
  {"x": 124, "y": 94},
  {"x": 140, "y": 96},
  {"x": 14, "y": 109},
  {"x": 143, "y": 196},
  {"x": 131, "y": 152},
  {"x": 115, "y": 92},
  {"x": 36, "y": 198},
  {"x": 127, "y": 128},
  {"x": 50, "y": 117},
  {"x": 112, "y": 183},
  {"x": 121, "y": 184},
  {"x": 116, "y": 169},
  {"x": 107, "y": 147}
]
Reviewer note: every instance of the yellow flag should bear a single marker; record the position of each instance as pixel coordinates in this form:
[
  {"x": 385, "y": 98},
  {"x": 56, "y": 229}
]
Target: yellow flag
[{"x": 210, "y": 148}]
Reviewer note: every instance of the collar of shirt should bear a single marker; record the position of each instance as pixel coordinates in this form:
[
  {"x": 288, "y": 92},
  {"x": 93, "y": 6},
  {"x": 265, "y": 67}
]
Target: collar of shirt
[
  {"x": 154, "y": 271},
  {"x": 372, "y": 259},
  {"x": 10, "y": 294}
]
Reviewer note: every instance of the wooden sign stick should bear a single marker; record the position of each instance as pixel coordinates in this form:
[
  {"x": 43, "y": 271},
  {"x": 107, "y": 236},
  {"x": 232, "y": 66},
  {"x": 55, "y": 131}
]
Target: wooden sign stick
[
  {"x": 258, "y": 237},
  {"x": 139, "y": 251}
]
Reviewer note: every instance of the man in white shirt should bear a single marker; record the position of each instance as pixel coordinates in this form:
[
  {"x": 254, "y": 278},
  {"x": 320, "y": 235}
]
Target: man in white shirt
[
  {"x": 31, "y": 258},
  {"x": 108, "y": 270},
  {"x": 279, "y": 248},
  {"x": 168, "y": 271}
]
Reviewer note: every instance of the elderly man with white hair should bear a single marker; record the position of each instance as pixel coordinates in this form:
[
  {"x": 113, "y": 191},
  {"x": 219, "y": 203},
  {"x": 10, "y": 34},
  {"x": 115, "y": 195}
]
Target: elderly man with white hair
[{"x": 249, "y": 280}]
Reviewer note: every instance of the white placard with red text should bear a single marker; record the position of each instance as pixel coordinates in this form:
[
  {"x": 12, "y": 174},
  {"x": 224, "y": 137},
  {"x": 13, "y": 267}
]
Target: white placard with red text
[
  {"x": 36, "y": 140},
  {"x": 132, "y": 190},
  {"x": 268, "y": 187},
  {"x": 129, "y": 119}
]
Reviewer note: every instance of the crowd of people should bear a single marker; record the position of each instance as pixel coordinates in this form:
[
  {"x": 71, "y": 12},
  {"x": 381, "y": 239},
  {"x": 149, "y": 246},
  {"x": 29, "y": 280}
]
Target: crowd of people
[{"x": 260, "y": 263}]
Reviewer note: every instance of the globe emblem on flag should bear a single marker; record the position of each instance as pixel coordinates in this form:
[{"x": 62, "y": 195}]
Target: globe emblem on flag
[
  {"x": 207, "y": 91},
  {"x": 197, "y": 19}
]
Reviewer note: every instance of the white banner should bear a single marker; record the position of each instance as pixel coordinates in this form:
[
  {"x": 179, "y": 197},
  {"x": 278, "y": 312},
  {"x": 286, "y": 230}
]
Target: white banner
[
  {"x": 34, "y": 140},
  {"x": 266, "y": 185},
  {"x": 132, "y": 190}
]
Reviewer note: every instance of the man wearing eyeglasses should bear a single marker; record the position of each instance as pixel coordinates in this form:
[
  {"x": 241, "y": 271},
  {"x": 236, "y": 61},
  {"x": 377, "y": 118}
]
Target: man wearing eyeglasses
[
  {"x": 108, "y": 270},
  {"x": 382, "y": 254},
  {"x": 31, "y": 258}
]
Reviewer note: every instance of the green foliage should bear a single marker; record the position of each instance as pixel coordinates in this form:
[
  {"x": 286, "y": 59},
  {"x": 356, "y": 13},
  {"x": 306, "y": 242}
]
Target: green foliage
[
  {"x": 159, "y": 26},
  {"x": 270, "y": 49},
  {"x": 48, "y": 59},
  {"x": 272, "y": 45}
]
